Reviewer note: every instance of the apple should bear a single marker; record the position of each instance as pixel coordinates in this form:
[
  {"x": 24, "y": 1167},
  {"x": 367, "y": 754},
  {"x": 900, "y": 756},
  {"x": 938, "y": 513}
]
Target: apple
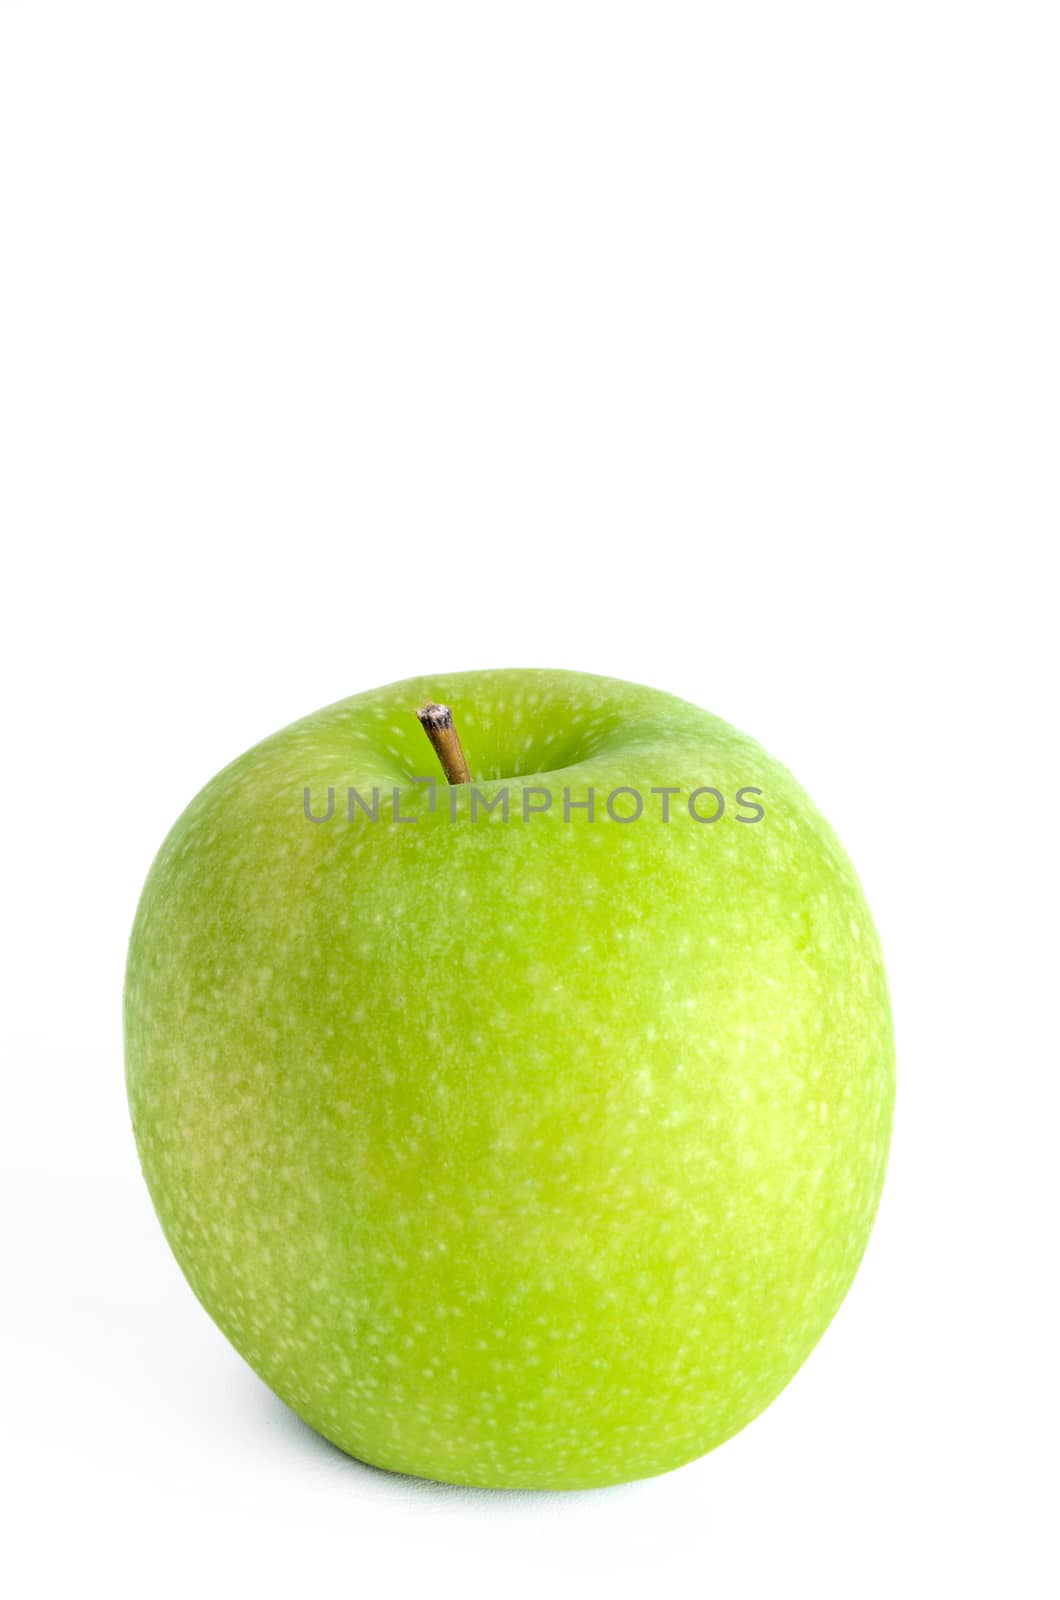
[{"x": 512, "y": 1144}]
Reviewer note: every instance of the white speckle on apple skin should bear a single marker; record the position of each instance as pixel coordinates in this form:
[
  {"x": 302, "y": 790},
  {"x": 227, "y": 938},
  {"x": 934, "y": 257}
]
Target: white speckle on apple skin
[{"x": 538, "y": 1157}]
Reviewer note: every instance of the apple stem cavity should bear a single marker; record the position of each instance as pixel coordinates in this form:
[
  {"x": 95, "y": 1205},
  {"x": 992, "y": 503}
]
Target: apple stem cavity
[{"x": 438, "y": 726}]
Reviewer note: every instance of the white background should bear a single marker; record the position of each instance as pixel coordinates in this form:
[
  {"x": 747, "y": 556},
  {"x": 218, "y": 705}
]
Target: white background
[{"x": 712, "y": 347}]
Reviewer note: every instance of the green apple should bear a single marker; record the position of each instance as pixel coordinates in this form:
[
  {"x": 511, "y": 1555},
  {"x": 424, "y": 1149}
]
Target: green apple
[{"x": 534, "y": 1149}]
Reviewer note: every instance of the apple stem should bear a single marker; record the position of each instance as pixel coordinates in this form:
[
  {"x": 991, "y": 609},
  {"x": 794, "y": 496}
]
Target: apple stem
[{"x": 438, "y": 726}]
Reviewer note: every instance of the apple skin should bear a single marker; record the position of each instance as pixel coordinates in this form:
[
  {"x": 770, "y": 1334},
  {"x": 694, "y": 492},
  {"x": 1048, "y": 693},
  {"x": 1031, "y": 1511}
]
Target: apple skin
[{"x": 512, "y": 1154}]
